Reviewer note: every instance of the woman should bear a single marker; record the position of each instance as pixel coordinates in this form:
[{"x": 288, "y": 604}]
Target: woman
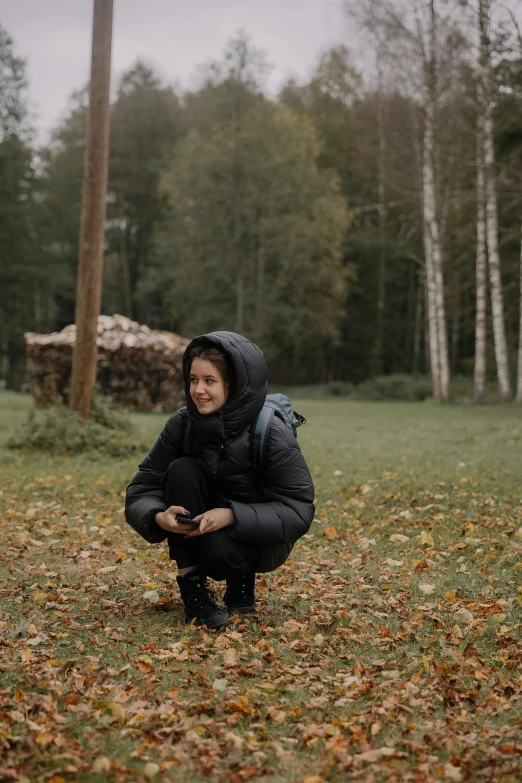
[{"x": 201, "y": 466}]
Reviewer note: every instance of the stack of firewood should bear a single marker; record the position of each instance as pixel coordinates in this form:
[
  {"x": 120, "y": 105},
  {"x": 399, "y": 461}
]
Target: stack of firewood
[{"x": 138, "y": 367}]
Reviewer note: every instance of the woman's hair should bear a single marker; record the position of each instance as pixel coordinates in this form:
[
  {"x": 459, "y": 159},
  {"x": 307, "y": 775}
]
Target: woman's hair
[{"x": 216, "y": 357}]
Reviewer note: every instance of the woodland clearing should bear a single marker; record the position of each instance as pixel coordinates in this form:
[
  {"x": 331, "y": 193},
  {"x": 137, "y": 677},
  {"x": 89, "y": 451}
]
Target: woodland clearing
[{"x": 388, "y": 648}]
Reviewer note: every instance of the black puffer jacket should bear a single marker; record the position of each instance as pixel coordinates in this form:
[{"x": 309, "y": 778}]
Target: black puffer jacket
[{"x": 273, "y": 506}]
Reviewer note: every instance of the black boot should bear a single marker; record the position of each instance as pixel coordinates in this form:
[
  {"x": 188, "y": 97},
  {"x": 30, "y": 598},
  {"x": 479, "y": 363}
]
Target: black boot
[
  {"x": 199, "y": 605},
  {"x": 240, "y": 594}
]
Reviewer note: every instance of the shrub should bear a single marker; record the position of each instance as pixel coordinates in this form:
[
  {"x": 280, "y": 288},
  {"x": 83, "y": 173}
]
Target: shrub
[
  {"x": 59, "y": 430},
  {"x": 409, "y": 388},
  {"x": 339, "y": 389}
]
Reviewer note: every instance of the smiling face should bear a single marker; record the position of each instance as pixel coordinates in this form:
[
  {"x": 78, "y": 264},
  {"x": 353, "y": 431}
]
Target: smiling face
[{"x": 207, "y": 387}]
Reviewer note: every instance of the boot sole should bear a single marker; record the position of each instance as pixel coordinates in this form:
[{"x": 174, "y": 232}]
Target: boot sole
[
  {"x": 209, "y": 622},
  {"x": 242, "y": 609}
]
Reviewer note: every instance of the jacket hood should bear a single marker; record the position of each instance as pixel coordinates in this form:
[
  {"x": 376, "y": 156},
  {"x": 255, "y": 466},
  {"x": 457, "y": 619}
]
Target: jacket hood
[{"x": 248, "y": 389}]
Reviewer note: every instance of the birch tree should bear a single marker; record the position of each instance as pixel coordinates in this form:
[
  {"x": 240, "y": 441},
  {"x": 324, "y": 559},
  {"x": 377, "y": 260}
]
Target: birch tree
[
  {"x": 485, "y": 110},
  {"x": 481, "y": 267},
  {"x": 432, "y": 240},
  {"x": 410, "y": 36}
]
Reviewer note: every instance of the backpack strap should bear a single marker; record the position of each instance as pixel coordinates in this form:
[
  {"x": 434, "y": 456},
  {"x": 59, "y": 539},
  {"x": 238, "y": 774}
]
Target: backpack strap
[
  {"x": 260, "y": 435},
  {"x": 300, "y": 420}
]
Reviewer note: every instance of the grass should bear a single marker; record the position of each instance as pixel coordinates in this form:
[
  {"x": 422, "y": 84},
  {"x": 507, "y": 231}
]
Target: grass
[{"x": 373, "y": 656}]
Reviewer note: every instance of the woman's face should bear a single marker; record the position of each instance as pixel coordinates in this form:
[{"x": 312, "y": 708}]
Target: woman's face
[{"x": 207, "y": 388}]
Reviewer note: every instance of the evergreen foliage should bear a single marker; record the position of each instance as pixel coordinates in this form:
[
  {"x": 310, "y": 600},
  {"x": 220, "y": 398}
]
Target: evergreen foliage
[
  {"x": 276, "y": 217},
  {"x": 59, "y": 430}
]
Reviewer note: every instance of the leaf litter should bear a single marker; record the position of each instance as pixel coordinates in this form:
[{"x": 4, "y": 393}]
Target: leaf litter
[{"x": 388, "y": 648}]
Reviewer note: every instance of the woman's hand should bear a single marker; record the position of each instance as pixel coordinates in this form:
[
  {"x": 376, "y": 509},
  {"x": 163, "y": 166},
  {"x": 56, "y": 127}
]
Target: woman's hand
[
  {"x": 212, "y": 520},
  {"x": 167, "y": 520}
]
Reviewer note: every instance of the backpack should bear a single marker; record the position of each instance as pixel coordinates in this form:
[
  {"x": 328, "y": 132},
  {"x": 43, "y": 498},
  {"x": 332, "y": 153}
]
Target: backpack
[{"x": 275, "y": 405}]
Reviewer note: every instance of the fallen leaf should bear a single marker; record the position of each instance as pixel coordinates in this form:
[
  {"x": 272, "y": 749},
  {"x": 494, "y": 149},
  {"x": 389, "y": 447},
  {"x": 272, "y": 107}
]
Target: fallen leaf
[
  {"x": 452, "y": 773},
  {"x": 318, "y": 702},
  {"x": 35, "y": 640},
  {"x": 236, "y": 740},
  {"x": 230, "y": 657},
  {"x": 151, "y": 769},
  {"x": 464, "y": 613},
  {"x": 349, "y": 681},
  {"x": 292, "y": 626},
  {"x": 427, "y": 539},
  {"x": 369, "y": 755},
  {"x": 427, "y": 589},
  {"x": 144, "y": 663},
  {"x": 117, "y": 709},
  {"x": 330, "y": 533},
  {"x": 101, "y": 765},
  {"x": 44, "y": 738}
]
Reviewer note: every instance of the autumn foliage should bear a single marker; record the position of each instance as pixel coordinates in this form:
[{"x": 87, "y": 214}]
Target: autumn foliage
[{"x": 387, "y": 649}]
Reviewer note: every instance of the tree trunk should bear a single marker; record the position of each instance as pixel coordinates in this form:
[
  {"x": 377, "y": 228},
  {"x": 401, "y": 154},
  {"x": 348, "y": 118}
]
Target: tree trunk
[
  {"x": 417, "y": 333},
  {"x": 441, "y": 320},
  {"x": 260, "y": 292},
  {"x": 377, "y": 348},
  {"x": 455, "y": 326},
  {"x": 497, "y": 305},
  {"x": 432, "y": 244},
  {"x": 410, "y": 310},
  {"x": 481, "y": 268},
  {"x": 519, "y": 373},
  {"x": 431, "y": 311},
  {"x": 4, "y": 358},
  {"x": 90, "y": 264},
  {"x": 125, "y": 272}
]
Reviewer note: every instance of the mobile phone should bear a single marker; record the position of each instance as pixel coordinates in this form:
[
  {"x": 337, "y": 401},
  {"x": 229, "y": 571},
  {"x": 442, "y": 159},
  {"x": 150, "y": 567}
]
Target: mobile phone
[{"x": 186, "y": 520}]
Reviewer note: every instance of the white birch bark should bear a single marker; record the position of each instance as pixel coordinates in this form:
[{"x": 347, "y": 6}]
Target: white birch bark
[
  {"x": 481, "y": 266},
  {"x": 418, "y": 324},
  {"x": 431, "y": 308},
  {"x": 441, "y": 315},
  {"x": 497, "y": 305},
  {"x": 519, "y": 371},
  {"x": 432, "y": 244}
]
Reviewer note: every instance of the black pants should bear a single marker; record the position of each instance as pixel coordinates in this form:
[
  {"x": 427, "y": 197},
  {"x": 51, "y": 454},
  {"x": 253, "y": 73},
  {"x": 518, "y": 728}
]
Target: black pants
[{"x": 217, "y": 554}]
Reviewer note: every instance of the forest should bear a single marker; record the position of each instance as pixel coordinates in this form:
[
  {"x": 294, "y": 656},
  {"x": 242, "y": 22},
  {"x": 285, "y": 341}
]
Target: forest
[{"x": 362, "y": 222}]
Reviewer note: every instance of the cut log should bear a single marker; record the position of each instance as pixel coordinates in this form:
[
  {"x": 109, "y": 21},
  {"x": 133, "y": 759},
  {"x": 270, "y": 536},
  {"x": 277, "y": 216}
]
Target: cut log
[{"x": 138, "y": 367}]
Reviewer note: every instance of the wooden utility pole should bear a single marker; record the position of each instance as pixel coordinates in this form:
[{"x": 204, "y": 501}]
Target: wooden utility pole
[{"x": 90, "y": 263}]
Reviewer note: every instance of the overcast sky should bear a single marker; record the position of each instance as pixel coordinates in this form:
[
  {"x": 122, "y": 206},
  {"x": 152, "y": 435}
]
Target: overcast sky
[{"x": 173, "y": 35}]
